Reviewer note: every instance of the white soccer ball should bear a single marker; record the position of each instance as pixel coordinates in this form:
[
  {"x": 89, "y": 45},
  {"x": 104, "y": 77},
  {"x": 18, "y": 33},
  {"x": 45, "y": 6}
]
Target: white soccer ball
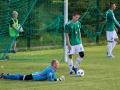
[
  {"x": 20, "y": 28},
  {"x": 80, "y": 72}
]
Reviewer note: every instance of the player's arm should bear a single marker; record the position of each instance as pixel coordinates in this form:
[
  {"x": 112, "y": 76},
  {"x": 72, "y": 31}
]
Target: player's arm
[
  {"x": 67, "y": 36},
  {"x": 80, "y": 37},
  {"x": 114, "y": 19},
  {"x": 12, "y": 24},
  {"x": 80, "y": 32},
  {"x": 68, "y": 41},
  {"x": 116, "y": 29},
  {"x": 52, "y": 77},
  {"x": 14, "y": 27}
]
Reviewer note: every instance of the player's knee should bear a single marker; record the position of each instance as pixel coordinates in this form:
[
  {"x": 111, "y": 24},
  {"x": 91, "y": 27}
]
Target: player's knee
[
  {"x": 70, "y": 56},
  {"x": 117, "y": 39},
  {"x": 81, "y": 54}
]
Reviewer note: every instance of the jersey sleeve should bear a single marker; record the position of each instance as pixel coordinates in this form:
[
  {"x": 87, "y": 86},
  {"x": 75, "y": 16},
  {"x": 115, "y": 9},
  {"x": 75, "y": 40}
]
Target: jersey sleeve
[
  {"x": 51, "y": 76},
  {"x": 11, "y": 23},
  {"x": 112, "y": 16}
]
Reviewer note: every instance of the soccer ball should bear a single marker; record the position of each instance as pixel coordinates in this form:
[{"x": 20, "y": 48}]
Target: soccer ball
[
  {"x": 19, "y": 27},
  {"x": 80, "y": 73}
]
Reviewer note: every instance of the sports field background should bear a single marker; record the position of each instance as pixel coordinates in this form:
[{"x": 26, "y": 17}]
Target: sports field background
[
  {"x": 42, "y": 21},
  {"x": 101, "y": 73}
]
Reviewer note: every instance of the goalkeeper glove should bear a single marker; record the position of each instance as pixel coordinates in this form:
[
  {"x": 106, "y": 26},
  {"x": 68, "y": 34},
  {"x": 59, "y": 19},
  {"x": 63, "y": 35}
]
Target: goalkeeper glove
[{"x": 62, "y": 78}]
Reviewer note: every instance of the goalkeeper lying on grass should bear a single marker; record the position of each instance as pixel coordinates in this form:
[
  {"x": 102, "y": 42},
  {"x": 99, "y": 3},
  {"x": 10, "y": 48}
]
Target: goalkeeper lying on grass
[{"x": 47, "y": 74}]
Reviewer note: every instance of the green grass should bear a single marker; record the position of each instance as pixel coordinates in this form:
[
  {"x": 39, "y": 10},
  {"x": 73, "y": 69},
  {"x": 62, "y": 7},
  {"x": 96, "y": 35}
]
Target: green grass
[{"x": 101, "y": 73}]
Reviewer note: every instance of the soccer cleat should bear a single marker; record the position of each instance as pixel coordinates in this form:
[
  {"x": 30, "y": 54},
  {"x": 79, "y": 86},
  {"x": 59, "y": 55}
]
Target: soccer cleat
[
  {"x": 6, "y": 58},
  {"x": 13, "y": 51},
  {"x": 71, "y": 72},
  {"x": 111, "y": 56},
  {"x": 74, "y": 69},
  {"x": 8, "y": 73},
  {"x": 1, "y": 75}
]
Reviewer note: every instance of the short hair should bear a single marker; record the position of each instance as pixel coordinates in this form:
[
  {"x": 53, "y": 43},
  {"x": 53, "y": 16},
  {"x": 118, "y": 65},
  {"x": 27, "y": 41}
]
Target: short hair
[
  {"x": 53, "y": 62},
  {"x": 75, "y": 13},
  {"x": 111, "y": 3},
  {"x": 15, "y": 12}
]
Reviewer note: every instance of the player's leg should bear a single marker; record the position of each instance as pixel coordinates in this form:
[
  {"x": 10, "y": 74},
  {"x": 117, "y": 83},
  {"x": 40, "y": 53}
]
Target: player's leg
[
  {"x": 80, "y": 51},
  {"x": 14, "y": 48},
  {"x": 70, "y": 59},
  {"x": 12, "y": 76},
  {"x": 116, "y": 39},
  {"x": 15, "y": 44},
  {"x": 110, "y": 39},
  {"x": 70, "y": 63},
  {"x": 109, "y": 47},
  {"x": 26, "y": 77},
  {"x": 12, "y": 42}
]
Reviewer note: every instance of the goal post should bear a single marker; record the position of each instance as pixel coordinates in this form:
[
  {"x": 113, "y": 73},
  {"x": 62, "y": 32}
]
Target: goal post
[{"x": 65, "y": 21}]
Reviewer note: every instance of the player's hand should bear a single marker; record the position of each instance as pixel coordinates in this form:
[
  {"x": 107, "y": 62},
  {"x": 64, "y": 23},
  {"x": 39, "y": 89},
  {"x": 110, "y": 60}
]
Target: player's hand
[
  {"x": 69, "y": 46},
  {"x": 62, "y": 78},
  {"x": 116, "y": 29}
]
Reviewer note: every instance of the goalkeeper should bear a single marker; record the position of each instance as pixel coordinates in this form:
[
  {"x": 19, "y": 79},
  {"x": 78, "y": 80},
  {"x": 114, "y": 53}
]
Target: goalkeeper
[{"x": 47, "y": 74}]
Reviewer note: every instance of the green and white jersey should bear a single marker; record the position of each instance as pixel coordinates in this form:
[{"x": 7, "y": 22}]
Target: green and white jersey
[
  {"x": 111, "y": 21},
  {"x": 73, "y": 30}
]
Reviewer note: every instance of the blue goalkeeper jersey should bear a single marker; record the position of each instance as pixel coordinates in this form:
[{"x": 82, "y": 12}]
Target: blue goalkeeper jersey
[{"x": 47, "y": 74}]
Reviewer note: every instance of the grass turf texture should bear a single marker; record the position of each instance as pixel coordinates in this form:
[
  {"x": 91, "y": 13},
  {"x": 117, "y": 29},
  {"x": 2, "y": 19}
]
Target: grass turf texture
[{"x": 101, "y": 73}]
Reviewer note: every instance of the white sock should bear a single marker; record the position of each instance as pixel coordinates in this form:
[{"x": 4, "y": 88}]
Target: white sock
[
  {"x": 109, "y": 48},
  {"x": 78, "y": 60},
  {"x": 70, "y": 63},
  {"x": 113, "y": 44},
  {"x": 24, "y": 77}
]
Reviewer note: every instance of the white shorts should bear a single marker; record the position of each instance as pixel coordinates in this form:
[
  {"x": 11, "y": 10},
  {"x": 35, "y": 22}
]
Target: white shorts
[
  {"x": 76, "y": 49},
  {"x": 111, "y": 35}
]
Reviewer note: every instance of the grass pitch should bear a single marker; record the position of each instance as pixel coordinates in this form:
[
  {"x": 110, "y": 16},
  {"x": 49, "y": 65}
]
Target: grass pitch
[{"x": 101, "y": 73}]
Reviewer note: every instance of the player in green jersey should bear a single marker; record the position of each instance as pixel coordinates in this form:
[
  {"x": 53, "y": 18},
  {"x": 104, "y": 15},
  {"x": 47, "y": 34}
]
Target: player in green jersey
[
  {"x": 74, "y": 42},
  {"x": 112, "y": 37}
]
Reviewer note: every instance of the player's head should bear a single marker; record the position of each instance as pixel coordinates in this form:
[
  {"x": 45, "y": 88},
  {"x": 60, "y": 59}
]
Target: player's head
[
  {"x": 75, "y": 16},
  {"x": 112, "y": 6},
  {"x": 55, "y": 63},
  {"x": 15, "y": 14}
]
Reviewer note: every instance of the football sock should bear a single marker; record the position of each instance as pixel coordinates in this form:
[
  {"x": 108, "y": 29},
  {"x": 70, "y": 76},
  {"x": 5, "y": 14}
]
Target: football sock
[
  {"x": 26, "y": 77},
  {"x": 109, "y": 48},
  {"x": 70, "y": 63},
  {"x": 12, "y": 76},
  {"x": 78, "y": 60},
  {"x": 113, "y": 44}
]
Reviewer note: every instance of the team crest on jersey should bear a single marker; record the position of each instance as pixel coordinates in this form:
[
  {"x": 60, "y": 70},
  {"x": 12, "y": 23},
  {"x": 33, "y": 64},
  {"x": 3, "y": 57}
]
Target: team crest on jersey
[{"x": 112, "y": 38}]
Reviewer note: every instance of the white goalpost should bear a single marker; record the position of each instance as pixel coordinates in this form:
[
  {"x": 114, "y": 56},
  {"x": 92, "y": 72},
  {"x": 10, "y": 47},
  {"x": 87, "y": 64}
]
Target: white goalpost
[{"x": 65, "y": 21}]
